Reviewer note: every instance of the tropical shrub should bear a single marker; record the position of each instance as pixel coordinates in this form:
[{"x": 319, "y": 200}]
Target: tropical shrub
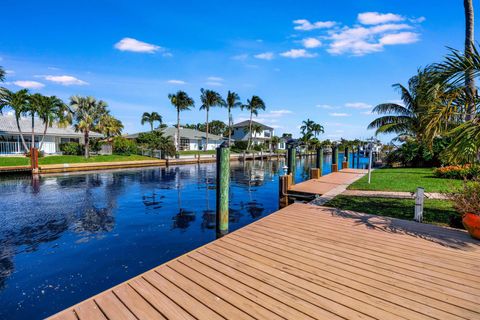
[
  {"x": 155, "y": 140},
  {"x": 467, "y": 199},
  {"x": 96, "y": 144},
  {"x": 458, "y": 172},
  {"x": 416, "y": 154},
  {"x": 240, "y": 145},
  {"x": 125, "y": 146},
  {"x": 71, "y": 148}
]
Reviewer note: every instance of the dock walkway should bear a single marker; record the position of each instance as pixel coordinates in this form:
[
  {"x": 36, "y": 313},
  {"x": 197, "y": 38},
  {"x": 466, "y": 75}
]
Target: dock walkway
[{"x": 307, "y": 262}]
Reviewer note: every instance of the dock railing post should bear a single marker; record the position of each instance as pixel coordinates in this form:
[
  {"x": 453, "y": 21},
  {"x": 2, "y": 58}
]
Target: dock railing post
[
  {"x": 419, "y": 199},
  {"x": 223, "y": 184},
  {"x": 319, "y": 160},
  {"x": 334, "y": 158},
  {"x": 345, "y": 159}
]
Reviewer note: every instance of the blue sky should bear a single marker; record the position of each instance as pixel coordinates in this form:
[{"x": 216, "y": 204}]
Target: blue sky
[{"x": 329, "y": 61}]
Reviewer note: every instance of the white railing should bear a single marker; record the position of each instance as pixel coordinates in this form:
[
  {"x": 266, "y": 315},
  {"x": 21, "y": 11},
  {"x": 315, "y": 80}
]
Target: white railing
[{"x": 10, "y": 147}]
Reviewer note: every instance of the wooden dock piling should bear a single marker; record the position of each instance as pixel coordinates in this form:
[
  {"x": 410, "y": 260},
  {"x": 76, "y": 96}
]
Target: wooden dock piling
[
  {"x": 223, "y": 184},
  {"x": 335, "y": 159},
  {"x": 319, "y": 161},
  {"x": 345, "y": 159}
]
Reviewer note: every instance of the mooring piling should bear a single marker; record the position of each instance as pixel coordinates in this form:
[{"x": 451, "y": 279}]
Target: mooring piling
[
  {"x": 334, "y": 159},
  {"x": 319, "y": 161},
  {"x": 223, "y": 184},
  {"x": 345, "y": 158}
]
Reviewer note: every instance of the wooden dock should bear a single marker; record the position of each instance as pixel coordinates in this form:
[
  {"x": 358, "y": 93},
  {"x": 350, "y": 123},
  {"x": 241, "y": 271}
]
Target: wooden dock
[
  {"x": 307, "y": 262},
  {"x": 329, "y": 182}
]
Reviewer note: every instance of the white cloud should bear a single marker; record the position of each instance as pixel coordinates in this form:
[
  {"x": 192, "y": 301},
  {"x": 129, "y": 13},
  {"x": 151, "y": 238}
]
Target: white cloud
[
  {"x": 311, "y": 43},
  {"x": 339, "y": 114},
  {"x": 369, "y": 112},
  {"x": 305, "y": 25},
  {"x": 173, "y": 81},
  {"x": 66, "y": 80},
  {"x": 399, "y": 38},
  {"x": 358, "y": 105},
  {"x": 28, "y": 84},
  {"x": 363, "y": 40},
  {"x": 214, "y": 83},
  {"x": 240, "y": 57},
  {"x": 324, "y": 106},
  {"x": 298, "y": 53},
  {"x": 265, "y": 56},
  {"x": 216, "y": 79},
  {"x": 134, "y": 45},
  {"x": 378, "y": 18},
  {"x": 280, "y": 112},
  {"x": 418, "y": 20}
]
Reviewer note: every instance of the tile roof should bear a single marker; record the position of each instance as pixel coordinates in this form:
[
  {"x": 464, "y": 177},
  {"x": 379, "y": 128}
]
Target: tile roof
[
  {"x": 8, "y": 125},
  {"x": 246, "y": 123},
  {"x": 184, "y": 133}
]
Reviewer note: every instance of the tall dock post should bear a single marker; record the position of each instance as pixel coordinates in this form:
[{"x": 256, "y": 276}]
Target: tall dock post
[
  {"x": 291, "y": 157},
  {"x": 316, "y": 173},
  {"x": 334, "y": 158},
  {"x": 345, "y": 159},
  {"x": 358, "y": 157},
  {"x": 223, "y": 184},
  {"x": 34, "y": 160}
]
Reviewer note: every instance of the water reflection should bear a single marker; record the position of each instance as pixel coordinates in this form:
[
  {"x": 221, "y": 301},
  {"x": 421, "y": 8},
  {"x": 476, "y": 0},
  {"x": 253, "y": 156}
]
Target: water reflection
[{"x": 64, "y": 238}]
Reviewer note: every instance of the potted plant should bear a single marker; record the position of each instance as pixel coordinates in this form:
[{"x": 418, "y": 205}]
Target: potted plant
[{"x": 467, "y": 202}]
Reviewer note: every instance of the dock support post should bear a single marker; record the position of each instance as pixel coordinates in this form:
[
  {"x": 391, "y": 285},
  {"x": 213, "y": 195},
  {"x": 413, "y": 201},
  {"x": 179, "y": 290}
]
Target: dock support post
[
  {"x": 319, "y": 161},
  {"x": 34, "y": 160},
  {"x": 285, "y": 182},
  {"x": 335, "y": 159},
  {"x": 291, "y": 157},
  {"x": 223, "y": 183},
  {"x": 358, "y": 157},
  {"x": 419, "y": 199},
  {"x": 345, "y": 159}
]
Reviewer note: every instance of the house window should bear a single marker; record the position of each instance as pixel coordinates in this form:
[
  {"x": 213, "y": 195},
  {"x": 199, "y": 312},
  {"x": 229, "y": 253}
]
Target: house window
[
  {"x": 184, "y": 144},
  {"x": 266, "y": 134}
]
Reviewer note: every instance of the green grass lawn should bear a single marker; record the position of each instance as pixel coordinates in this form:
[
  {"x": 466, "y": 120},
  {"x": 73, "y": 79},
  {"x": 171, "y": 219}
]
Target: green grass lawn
[
  {"x": 435, "y": 211},
  {"x": 405, "y": 179},
  {"x": 17, "y": 161},
  {"x": 191, "y": 152}
]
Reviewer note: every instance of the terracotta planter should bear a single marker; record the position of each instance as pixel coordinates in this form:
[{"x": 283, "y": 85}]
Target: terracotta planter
[{"x": 471, "y": 222}]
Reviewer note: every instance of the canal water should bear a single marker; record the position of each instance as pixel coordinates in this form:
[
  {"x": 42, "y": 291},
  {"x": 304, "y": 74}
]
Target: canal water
[{"x": 64, "y": 238}]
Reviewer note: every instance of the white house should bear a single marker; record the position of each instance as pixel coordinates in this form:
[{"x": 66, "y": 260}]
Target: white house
[
  {"x": 190, "y": 139},
  {"x": 11, "y": 143},
  {"x": 241, "y": 132}
]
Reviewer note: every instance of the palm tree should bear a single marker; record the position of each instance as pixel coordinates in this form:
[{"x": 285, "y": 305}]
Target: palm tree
[
  {"x": 253, "y": 105},
  {"x": 181, "y": 101},
  {"x": 2, "y": 74},
  {"x": 109, "y": 126},
  {"x": 209, "y": 99},
  {"x": 307, "y": 126},
  {"x": 233, "y": 101},
  {"x": 18, "y": 102},
  {"x": 317, "y": 128},
  {"x": 34, "y": 102},
  {"x": 404, "y": 120},
  {"x": 50, "y": 110},
  {"x": 274, "y": 141},
  {"x": 87, "y": 112},
  {"x": 151, "y": 118},
  {"x": 469, "y": 44}
]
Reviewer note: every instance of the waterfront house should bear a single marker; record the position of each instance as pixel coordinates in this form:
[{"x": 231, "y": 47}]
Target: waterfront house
[
  {"x": 190, "y": 139},
  {"x": 11, "y": 143},
  {"x": 241, "y": 132}
]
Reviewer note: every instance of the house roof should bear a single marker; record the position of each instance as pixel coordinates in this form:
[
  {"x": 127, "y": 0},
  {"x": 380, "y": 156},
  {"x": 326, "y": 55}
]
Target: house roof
[
  {"x": 246, "y": 123},
  {"x": 8, "y": 125},
  {"x": 184, "y": 133}
]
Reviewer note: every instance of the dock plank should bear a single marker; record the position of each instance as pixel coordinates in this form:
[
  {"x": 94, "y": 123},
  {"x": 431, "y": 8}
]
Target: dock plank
[{"x": 303, "y": 262}]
